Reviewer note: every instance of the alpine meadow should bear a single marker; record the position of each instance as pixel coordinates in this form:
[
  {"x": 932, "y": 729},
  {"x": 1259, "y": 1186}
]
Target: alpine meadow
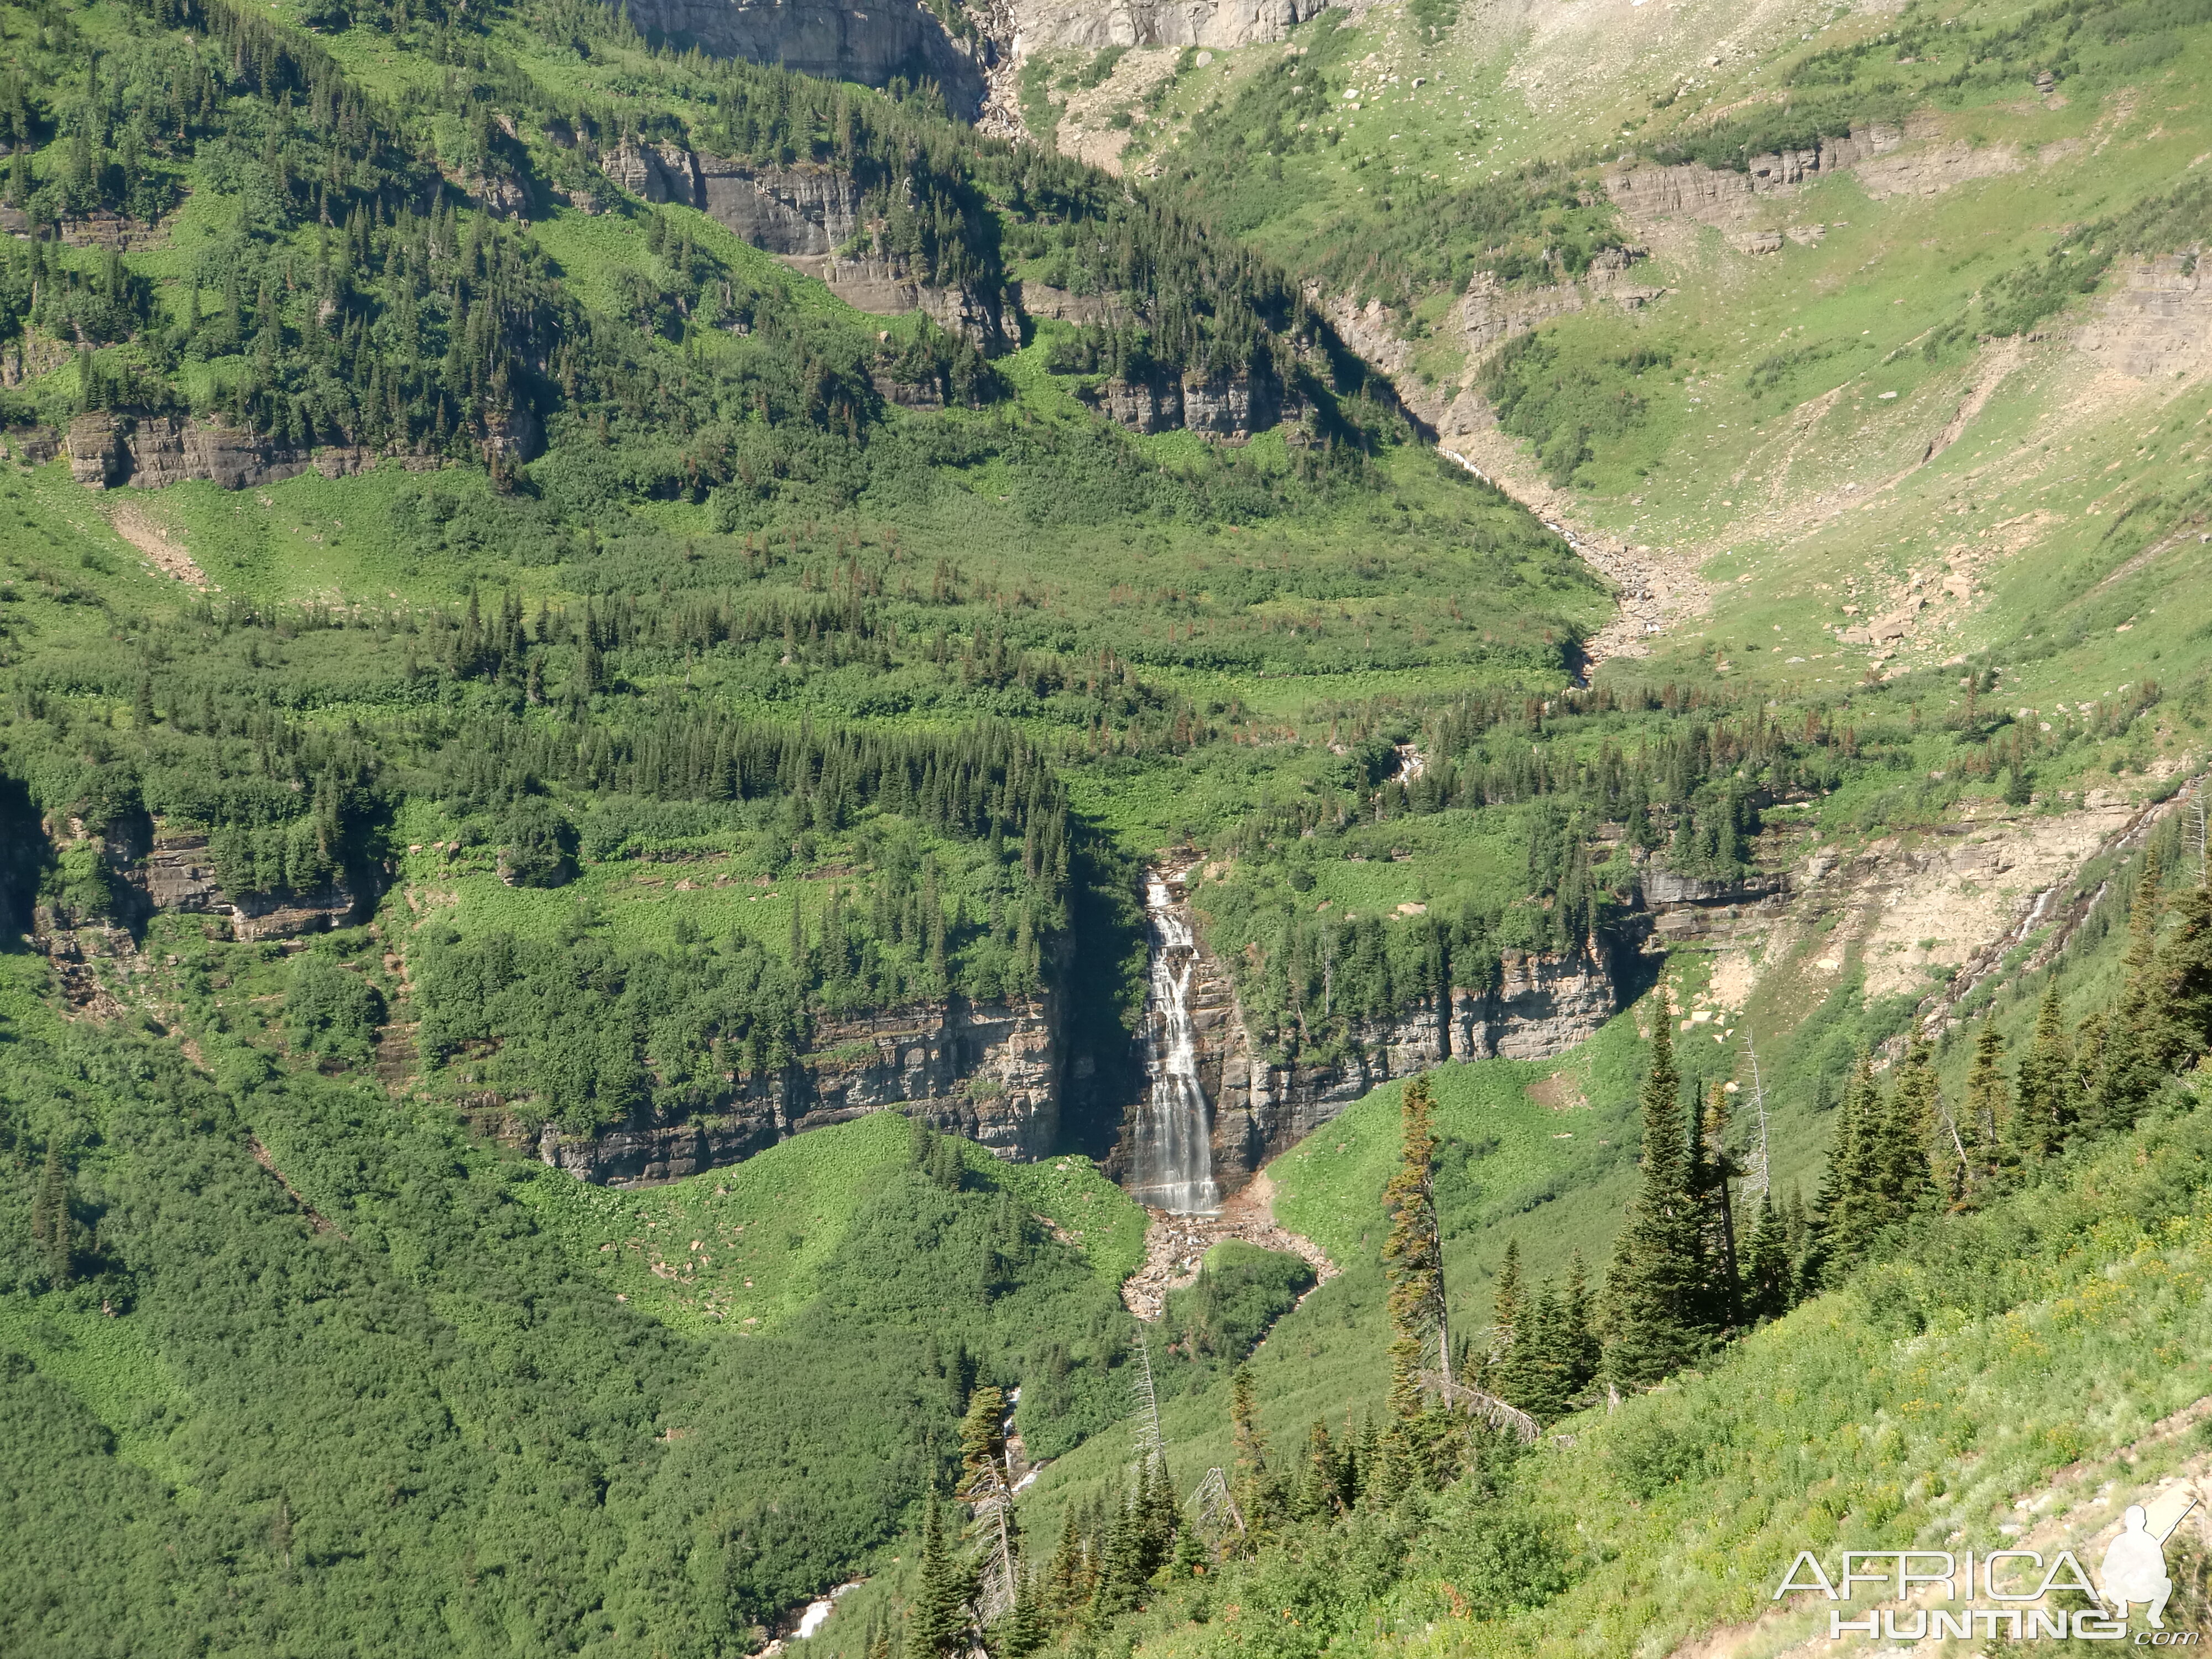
[{"x": 1186, "y": 830}]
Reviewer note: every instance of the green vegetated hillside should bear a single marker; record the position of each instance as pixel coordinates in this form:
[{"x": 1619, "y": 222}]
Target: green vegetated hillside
[
  {"x": 1935, "y": 404},
  {"x": 1965, "y": 1338},
  {"x": 903, "y": 656}
]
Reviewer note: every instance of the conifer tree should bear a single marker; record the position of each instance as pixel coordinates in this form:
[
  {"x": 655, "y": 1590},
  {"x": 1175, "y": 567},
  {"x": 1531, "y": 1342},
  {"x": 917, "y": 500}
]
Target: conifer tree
[
  {"x": 1026, "y": 1628},
  {"x": 52, "y": 1227},
  {"x": 937, "y": 1623},
  {"x": 983, "y": 1488},
  {"x": 1316, "y": 1494},
  {"x": 2047, "y": 1103},
  {"x": 1904, "y": 1179},
  {"x": 1251, "y": 1484},
  {"x": 1505, "y": 1307},
  {"x": 1412, "y": 1256},
  {"x": 1828, "y": 1245},
  {"x": 1579, "y": 1333},
  {"x": 2140, "y": 1040},
  {"x": 1067, "y": 1589},
  {"x": 1767, "y": 1279},
  {"x": 2185, "y": 978},
  {"x": 1655, "y": 1286},
  {"x": 1987, "y": 1126},
  {"x": 1710, "y": 1170},
  {"x": 2089, "y": 1064}
]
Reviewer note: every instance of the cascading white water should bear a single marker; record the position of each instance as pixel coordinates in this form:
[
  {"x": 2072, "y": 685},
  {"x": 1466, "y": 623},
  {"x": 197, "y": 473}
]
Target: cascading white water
[{"x": 1173, "y": 1149}]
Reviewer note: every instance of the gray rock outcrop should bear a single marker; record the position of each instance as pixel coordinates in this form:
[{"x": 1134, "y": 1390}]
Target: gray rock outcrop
[
  {"x": 871, "y": 45},
  {"x": 171, "y": 872},
  {"x": 1232, "y": 406},
  {"x": 804, "y": 215},
  {"x": 989, "y": 1071},
  {"x": 1542, "y": 1005},
  {"x": 1057, "y": 24},
  {"x": 108, "y": 450},
  {"x": 2158, "y": 323},
  {"x": 1723, "y": 196}
]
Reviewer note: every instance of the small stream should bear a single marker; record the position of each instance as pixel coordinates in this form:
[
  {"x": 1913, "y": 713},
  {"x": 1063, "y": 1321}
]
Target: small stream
[{"x": 1171, "y": 1163}]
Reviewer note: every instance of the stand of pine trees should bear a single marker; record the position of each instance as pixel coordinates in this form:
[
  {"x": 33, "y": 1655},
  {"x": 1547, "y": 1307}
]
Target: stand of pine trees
[{"x": 1685, "y": 1275}]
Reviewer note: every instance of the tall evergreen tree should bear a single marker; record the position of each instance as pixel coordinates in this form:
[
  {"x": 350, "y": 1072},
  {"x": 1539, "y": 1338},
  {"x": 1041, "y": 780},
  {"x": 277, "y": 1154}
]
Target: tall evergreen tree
[
  {"x": 1252, "y": 1484},
  {"x": 52, "y": 1228},
  {"x": 1320, "y": 1492},
  {"x": 1412, "y": 1256},
  {"x": 1711, "y": 1168},
  {"x": 1578, "y": 1333},
  {"x": 1839, "y": 1207},
  {"x": 1767, "y": 1280},
  {"x": 937, "y": 1622},
  {"x": 2140, "y": 1046},
  {"x": 985, "y": 1489},
  {"x": 1656, "y": 1285},
  {"x": 1505, "y": 1305},
  {"x": 1986, "y": 1124},
  {"x": 2046, "y": 1104},
  {"x": 1904, "y": 1178},
  {"x": 2185, "y": 978}
]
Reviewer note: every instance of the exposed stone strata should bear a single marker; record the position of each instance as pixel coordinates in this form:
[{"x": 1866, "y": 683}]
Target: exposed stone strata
[
  {"x": 170, "y": 872},
  {"x": 1489, "y": 313},
  {"x": 781, "y": 209},
  {"x": 1723, "y": 197},
  {"x": 1542, "y": 1007},
  {"x": 108, "y": 451},
  {"x": 803, "y": 215},
  {"x": 2158, "y": 325},
  {"x": 1688, "y": 907},
  {"x": 1057, "y": 24},
  {"x": 1486, "y": 316},
  {"x": 1232, "y": 406},
  {"x": 1059, "y": 305},
  {"x": 832, "y": 42},
  {"x": 989, "y": 1071}
]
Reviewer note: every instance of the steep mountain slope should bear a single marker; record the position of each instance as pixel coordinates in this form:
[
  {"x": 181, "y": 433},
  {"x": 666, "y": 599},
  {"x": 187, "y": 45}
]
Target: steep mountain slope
[{"x": 577, "y": 612}]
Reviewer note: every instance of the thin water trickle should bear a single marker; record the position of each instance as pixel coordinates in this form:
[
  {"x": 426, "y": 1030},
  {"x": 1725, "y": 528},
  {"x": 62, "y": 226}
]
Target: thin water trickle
[{"x": 1173, "y": 1150}]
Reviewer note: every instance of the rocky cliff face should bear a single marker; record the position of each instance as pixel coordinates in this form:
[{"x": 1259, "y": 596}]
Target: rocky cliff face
[
  {"x": 1686, "y": 908},
  {"x": 2159, "y": 324},
  {"x": 989, "y": 1071},
  {"x": 1723, "y": 197},
  {"x": 836, "y": 42},
  {"x": 1232, "y": 406},
  {"x": 164, "y": 872},
  {"x": 1059, "y": 25},
  {"x": 108, "y": 451},
  {"x": 803, "y": 215},
  {"x": 1484, "y": 317},
  {"x": 1542, "y": 1007}
]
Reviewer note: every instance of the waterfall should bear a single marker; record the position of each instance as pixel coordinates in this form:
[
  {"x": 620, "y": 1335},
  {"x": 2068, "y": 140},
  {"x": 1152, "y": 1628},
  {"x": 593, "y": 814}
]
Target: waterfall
[{"x": 1173, "y": 1150}]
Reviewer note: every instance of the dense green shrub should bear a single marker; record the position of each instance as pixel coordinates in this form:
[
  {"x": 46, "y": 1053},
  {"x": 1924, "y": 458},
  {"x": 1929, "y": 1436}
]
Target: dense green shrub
[
  {"x": 329, "y": 1010},
  {"x": 537, "y": 844}
]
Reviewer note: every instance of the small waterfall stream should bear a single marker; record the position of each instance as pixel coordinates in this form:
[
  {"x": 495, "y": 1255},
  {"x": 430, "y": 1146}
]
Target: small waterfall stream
[{"x": 1172, "y": 1150}]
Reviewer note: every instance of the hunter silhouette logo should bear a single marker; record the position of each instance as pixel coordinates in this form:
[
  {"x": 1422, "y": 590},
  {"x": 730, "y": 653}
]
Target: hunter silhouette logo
[
  {"x": 2135, "y": 1568},
  {"x": 2016, "y": 1583}
]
